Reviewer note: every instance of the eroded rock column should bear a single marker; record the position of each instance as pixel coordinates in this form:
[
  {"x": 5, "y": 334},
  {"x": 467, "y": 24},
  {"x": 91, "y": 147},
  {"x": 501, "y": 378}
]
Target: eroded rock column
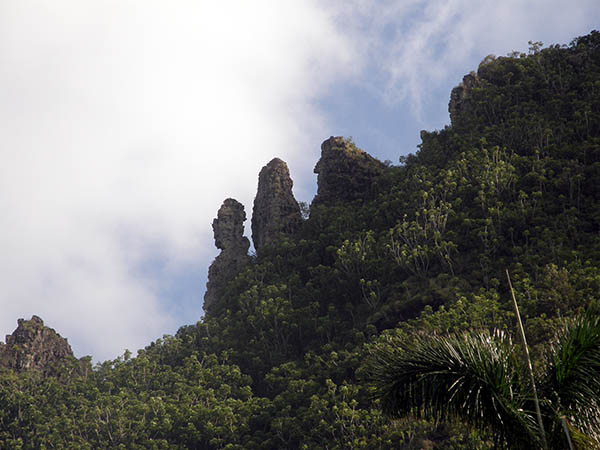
[
  {"x": 228, "y": 229},
  {"x": 275, "y": 210}
]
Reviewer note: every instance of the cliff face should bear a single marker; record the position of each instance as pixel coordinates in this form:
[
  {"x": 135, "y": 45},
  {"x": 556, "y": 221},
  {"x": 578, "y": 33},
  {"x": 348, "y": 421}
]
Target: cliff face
[
  {"x": 460, "y": 93},
  {"x": 33, "y": 346},
  {"x": 228, "y": 229},
  {"x": 344, "y": 172},
  {"x": 275, "y": 211}
]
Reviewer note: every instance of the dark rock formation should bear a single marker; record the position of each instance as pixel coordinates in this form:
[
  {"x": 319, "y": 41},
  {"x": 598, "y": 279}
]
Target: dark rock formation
[
  {"x": 460, "y": 93},
  {"x": 33, "y": 346},
  {"x": 345, "y": 173},
  {"x": 228, "y": 229},
  {"x": 275, "y": 211}
]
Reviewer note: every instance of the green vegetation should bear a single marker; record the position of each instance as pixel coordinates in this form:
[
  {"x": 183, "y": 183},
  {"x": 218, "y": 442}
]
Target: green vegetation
[
  {"x": 480, "y": 378},
  {"x": 414, "y": 265}
]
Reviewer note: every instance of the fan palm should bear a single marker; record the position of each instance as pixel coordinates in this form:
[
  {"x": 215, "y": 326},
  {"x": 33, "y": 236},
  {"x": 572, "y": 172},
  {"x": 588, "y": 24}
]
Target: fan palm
[{"x": 481, "y": 379}]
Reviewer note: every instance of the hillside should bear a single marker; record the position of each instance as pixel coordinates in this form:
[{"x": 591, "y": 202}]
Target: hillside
[{"x": 281, "y": 358}]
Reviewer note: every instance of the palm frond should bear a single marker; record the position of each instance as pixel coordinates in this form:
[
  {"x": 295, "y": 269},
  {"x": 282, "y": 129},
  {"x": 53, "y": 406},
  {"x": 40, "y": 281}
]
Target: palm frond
[
  {"x": 572, "y": 381},
  {"x": 473, "y": 377}
]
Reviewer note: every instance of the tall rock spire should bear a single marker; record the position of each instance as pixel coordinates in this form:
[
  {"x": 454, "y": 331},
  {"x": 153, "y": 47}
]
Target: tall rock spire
[
  {"x": 275, "y": 211},
  {"x": 228, "y": 229}
]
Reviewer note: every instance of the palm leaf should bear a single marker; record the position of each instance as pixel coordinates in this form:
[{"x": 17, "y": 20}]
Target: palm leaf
[
  {"x": 572, "y": 381},
  {"x": 472, "y": 377}
]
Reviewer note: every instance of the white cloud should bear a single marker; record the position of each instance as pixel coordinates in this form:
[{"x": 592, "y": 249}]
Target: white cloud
[
  {"x": 420, "y": 48},
  {"x": 124, "y": 124}
]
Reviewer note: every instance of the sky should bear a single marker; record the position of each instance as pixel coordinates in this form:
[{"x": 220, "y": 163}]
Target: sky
[{"x": 125, "y": 124}]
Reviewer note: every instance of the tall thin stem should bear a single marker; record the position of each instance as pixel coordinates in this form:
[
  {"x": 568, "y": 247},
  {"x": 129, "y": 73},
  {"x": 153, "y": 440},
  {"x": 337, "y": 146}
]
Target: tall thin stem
[
  {"x": 527, "y": 357},
  {"x": 566, "y": 430}
]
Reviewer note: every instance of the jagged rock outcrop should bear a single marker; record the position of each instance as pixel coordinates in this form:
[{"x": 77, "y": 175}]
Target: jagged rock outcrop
[
  {"x": 344, "y": 172},
  {"x": 228, "y": 229},
  {"x": 33, "y": 346},
  {"x": 460, "y": 93},
  {"x": 275, "y": 210}
]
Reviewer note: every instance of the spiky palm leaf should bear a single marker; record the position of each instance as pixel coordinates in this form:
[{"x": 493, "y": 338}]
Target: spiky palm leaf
[
  {"x": 571, "y": 386},
  {"x": 473, "y": 377}
]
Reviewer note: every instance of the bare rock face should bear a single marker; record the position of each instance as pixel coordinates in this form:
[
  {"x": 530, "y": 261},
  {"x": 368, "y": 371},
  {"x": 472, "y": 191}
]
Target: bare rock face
[
  {"x": 228, "y": 229},
  {"x": 33, "y": 346},
  {"x": 460, "y": 93},
  {"x": 345, "y": 172},
  {"x": 275, "y": 211}
]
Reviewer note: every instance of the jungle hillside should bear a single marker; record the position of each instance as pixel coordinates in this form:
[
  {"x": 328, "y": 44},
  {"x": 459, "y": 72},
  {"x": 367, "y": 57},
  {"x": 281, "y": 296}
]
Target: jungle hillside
[{"x": 322, "y": 338}]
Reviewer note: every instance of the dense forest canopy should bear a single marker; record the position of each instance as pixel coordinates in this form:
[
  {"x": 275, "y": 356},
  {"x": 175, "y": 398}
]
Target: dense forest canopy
[{"x": 284, "y": 356}]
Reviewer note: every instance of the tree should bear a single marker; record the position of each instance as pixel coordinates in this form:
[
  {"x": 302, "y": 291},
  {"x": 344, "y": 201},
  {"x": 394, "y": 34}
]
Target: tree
[{"x": 480, "y": 379}]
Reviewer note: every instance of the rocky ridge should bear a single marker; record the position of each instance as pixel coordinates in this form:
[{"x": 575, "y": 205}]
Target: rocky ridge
[
  {"x": 33, "y": 346},
  {"x": 345, "y": 173}
]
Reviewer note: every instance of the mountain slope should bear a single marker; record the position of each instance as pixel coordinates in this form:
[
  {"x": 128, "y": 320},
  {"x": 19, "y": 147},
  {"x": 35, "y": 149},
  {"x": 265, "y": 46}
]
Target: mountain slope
[{"x": 512, "y": 183}]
